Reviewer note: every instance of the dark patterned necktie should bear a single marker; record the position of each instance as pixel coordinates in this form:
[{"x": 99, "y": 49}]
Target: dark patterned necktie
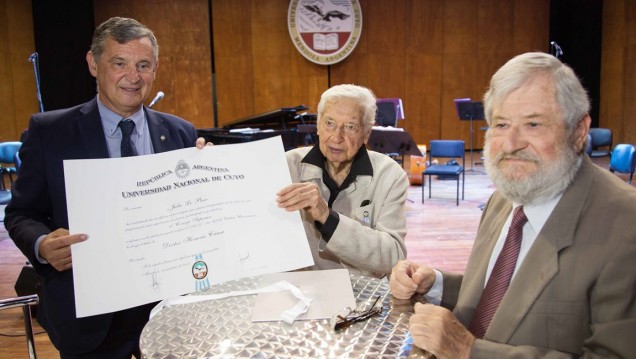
[
  {"x": 127, "y": 148},
  {"x": 500, "y": 276}
]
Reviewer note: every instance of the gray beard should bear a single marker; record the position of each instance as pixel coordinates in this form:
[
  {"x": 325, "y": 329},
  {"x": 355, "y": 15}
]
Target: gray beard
[{"x": 549, "y": 180}]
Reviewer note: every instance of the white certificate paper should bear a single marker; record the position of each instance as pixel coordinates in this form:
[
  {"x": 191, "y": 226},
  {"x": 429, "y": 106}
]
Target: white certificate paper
[{"x": 176, "y": 222}]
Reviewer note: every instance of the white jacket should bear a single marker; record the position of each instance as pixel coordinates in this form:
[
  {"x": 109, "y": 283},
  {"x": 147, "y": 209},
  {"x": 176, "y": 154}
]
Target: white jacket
[{"x": 369, "y": 239}]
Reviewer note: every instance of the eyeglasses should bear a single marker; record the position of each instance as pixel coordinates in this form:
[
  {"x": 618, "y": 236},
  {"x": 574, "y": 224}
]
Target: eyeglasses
[
  {"x": 350, "y": 129},
  {"x": 348, "y": 316}
]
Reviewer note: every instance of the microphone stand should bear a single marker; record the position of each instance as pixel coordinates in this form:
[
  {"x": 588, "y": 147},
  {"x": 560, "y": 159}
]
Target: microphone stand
[
  {"x": 34, "y": 59},
  {"x": 557, "y": 49}
]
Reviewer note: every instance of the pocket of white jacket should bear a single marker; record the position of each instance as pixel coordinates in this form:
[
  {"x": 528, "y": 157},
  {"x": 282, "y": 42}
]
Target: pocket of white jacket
[{"x": 364, "y": 215}]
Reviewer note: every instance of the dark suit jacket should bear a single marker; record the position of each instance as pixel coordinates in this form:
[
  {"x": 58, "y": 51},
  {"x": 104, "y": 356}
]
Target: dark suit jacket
[
  {"x": 574, "y": 294},
  {"x": 38, "y": 205}
]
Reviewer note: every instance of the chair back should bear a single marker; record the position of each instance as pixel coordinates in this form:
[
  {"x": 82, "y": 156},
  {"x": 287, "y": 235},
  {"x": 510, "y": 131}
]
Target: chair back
[
  {"x": 8, "y": 151},
  {"x": 601, "y": 137},
  {"x": 623, "y": 158},
  {"x": 447, "y": 149},
  {"x": 588, "y": 145},
  {"x": 18, "y": 161},
  {"x": 25, "y": 302}
]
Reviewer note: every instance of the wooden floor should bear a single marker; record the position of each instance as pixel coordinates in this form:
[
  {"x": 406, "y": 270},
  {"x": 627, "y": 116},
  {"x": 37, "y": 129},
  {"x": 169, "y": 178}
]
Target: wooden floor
[{"x": 439, "y": 233}]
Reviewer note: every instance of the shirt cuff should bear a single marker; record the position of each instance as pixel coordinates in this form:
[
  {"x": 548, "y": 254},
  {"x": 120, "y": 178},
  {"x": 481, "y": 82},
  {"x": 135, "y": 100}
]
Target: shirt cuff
[
  {"x": 434, "y": 295},
  {"x": 37, "y": 250},
  {"x": 330, "y": 225}
]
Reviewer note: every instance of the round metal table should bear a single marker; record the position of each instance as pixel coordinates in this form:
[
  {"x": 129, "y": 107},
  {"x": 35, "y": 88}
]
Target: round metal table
[{"x": 223, "y": 329}]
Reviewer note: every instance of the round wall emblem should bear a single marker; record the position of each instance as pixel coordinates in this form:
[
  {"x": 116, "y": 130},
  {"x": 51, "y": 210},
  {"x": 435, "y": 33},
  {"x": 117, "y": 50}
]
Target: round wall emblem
[{"x": 325, "y": 31}]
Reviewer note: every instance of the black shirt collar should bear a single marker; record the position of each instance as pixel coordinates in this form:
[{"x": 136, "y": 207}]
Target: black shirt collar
[{"x": 360, "y": 166}]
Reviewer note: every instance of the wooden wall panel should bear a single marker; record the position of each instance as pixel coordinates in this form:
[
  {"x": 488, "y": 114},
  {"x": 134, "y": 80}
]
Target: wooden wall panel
[
  {"x": 6, "y": 85},
  {"x": 270, "y": 51},
  {"x": 283, "y": 77},
  {"x": 422, "y": 104},
  {"x": 531, "y": 27},
  {"x": 185, "y": 63},
  {"x": 433, "y": 53},
  {"x": 426, "y": 52},
  {"x": 386, "y": 56},
  {"x": 18, "y": 91},
  {"x": 378, "y": 61},
  {"x": 618, "y": 74},
  {"x": 612, "y": 66},
  {"x": 628, "y": 118},
  {"x": 191, "y": 77},
  {"x": 257, "y": 66},
  {"x": 306, "y": 80},
  {"x": 459, "y": 71},
  {"x": 233, "y": 59},
  {"x": 355, "y": 68},
  {"x": 423, "y": 55},
  {"x": 495, "y": 41}
]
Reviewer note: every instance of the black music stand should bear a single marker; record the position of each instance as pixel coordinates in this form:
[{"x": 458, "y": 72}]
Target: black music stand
[
  {"x": 389, "y": 111},
  {"x": 470, "y": 110},
  {"x": 393, "y": 142}
]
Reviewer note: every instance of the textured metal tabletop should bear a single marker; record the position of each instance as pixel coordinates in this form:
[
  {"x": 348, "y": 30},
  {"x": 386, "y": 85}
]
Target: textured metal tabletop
[{"x": 224, "y": 329}]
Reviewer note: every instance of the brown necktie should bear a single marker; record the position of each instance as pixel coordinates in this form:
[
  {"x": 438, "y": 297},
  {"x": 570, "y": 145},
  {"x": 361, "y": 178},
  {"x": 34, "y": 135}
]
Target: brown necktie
[
  {"x": 127, "y": 148},
  {"x": 500, "y": 276}
]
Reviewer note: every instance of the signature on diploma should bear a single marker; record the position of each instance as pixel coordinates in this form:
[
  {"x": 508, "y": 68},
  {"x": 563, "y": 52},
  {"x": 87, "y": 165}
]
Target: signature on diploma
[{"x": 155, "y": 282}]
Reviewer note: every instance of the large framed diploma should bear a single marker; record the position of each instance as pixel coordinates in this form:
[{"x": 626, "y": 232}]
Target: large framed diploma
[{"x": 172, "y": 223}]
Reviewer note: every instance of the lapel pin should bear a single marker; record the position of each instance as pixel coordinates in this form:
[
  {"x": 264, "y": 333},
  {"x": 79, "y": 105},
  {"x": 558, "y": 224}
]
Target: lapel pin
[{"x": 162, "y": 138}]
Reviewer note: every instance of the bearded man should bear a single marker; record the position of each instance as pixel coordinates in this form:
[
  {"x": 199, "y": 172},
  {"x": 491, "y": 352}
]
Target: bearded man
[{"x": 551, "y": 273}]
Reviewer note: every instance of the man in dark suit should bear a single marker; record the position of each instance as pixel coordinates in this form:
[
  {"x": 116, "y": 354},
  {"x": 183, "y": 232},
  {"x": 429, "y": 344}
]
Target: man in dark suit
[
  {"x": 123, "y": 59},
  {"x": 556, "y": 278}
]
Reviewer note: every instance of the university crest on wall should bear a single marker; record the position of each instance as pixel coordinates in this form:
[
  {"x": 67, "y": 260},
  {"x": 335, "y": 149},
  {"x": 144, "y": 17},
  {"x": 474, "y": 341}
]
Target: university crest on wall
[{"x": 325, "y": 31}]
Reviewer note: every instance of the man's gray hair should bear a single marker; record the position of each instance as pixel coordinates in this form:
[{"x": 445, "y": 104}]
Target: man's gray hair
[
  {"x": 359, "y": 94},
  {"x": 122, "y": 30},
  {"x": 570, "y": 94}
]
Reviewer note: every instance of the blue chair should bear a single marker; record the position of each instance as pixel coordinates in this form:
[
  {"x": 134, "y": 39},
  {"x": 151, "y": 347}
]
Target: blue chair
[
  {"x": 18, "y": 161},
  {"x": 588, "y": 145},
  {"x": 446, "y": 149},
  {"x": 8, "y": 152},
  {"x": 5, "y": 196},
  {"x": 623, "y": 160},
  {"x": 601, "y": 142}
]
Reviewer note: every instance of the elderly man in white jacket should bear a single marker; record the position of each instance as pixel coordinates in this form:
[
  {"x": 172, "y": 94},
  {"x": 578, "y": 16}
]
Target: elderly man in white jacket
[{"x": 352, "y": 200}]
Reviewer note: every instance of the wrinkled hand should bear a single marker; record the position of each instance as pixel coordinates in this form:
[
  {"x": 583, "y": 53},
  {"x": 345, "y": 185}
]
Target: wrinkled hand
[
  {"x": 201, "y": 143},
  {"x": 408, "y": 278},
  {"x": 436, "y": 330},
  {"x": 55, "y": 248},
  {"x": 304, "y": 196}
]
